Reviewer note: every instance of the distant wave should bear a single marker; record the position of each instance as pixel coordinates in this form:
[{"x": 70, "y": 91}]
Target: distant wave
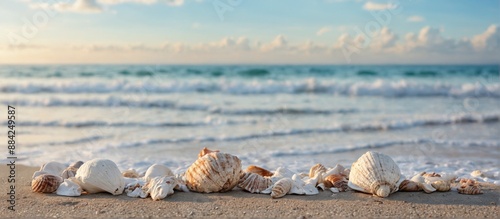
[
  {"x": 328, "y": 149},
  {"x": 384, "y": 88},
  {"x": 369, "y": 127},
  {"x": 281, "y": 111}
]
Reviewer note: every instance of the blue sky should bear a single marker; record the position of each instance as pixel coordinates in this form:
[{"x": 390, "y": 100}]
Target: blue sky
[{"x": 249, "y": 31}]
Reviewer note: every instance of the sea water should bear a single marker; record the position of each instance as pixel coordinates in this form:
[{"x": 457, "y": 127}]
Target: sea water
[{"x": 427, "y": 118}]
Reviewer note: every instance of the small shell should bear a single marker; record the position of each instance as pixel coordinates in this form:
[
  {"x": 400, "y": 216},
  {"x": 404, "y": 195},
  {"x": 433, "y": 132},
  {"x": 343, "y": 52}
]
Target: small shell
[
  {"x": 100, "y": 175},
  {"x": 213, "y": 172},
  {"x": 46, "y": 183},
  {"x": 420, "y": 180},
  {"x": 205, "y": 151},
  {"x": 337, "y": 181},
  {"x": 409, "y": 186},
  {"x": 130, "y": 173},
  {"x": 53, "y": 168},
  {"x": 469, "y": 187},
  {"x": 159, "y": 187},
  {"x": 258, "y": 170},
  {"x": 479, "y": 173},
  {"x": 254, "y": 183},
  {"x": 317, "y": 169},
  {"x": 441, "y": 186},
  {"x": 375, "y": 173},
  {"x": 69, "y": 188},
  {"x": 156, "y": 170},
  {"x": 281, "y": 188},
  {"x": 69, "y": 172}
]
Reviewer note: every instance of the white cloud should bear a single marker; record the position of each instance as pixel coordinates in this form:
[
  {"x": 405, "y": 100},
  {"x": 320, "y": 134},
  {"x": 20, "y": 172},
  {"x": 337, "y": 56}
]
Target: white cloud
[
  {"x": 323, "y": 30},
  {"x": 279, "y": 43},
  {"x": 415, "y": 18},
  {"x": 385, "y": 39},
  {"x": 489, "y": 40},
  {"x": 372, "y": 6},
  {"x": 79, "y": 6}
]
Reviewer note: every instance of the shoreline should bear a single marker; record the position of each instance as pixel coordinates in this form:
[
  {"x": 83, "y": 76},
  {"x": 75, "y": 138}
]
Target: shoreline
[{"x": 238, "y": 203}]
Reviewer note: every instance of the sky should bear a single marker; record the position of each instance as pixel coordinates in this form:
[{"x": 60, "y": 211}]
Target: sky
[{"x": 250, "y": 31}]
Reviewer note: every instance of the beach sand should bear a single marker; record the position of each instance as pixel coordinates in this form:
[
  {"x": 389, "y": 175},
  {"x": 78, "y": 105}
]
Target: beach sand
[{"x": 238, "y": 203}]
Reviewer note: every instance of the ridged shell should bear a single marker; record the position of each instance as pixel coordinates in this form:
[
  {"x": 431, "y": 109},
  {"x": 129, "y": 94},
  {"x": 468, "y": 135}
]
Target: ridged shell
[
  {"x": 214, "y": 172},
  {"x": 258, "y": 170},
  {"x": 254, "y": 183},
  {"x": 46, "y": 183},
  {"x": 130, "y": 173},
  {"x": 69, "y": 188},
  {"x": 157, "y": 170},
  {"x": 409, "y": 186},
  {"x": 375, "y": 173},
  {"x": 317, "y": 169},
  {"x": 337, "y": 181},
  {"x": 205, "y": 151},
  {"x": 469, "y": 187},
  {"x": 100, "y": 175},
  {"x": 281, "y": 188}
]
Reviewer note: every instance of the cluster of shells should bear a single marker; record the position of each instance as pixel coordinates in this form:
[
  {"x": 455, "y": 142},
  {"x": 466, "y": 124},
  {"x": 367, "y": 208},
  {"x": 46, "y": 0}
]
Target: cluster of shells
[{"x": 214, "y": 171}]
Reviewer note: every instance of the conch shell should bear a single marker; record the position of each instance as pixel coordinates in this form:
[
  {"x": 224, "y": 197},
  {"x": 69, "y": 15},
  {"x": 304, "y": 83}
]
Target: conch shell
[
  {"x": 159, "y": 187},
  {"x": 206, "y": 151},
  {"x": 46, "y": 183},
  {"x": 156, "y": 170},
  {"x": 336, "y": 181},
  {"x": 100, "y": 175},
  {"x": 258, "y": 170},
  {"x": 71, "y": 170},
  {"x": 254, "y": 183},
  {"x": 469, "y": 187},
  {"x": 281, "y": 188},
  {"x": 375, "y": 173},
  {"x": 213, "y": 172},
  {"x": 409, "y": 186},
  {"x": 69, "y": 188}
]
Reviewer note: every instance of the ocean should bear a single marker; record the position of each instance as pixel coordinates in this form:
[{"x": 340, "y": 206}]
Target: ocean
[{"x": 440, "y": 118}]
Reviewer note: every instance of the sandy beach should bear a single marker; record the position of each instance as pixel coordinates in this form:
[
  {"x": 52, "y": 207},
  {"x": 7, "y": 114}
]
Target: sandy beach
[{"x": 239, "y": 204}]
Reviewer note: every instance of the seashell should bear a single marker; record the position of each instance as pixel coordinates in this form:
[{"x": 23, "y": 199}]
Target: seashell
[
  {"x": 409, "y": 186},
  {"x": 159, "y": 187},
  {"x": 375, "y": 173},
  {"x": 156, "y": 170},
  {"x": 469, "y": 187},
  {"x": 69, "y": 188},
  {"x": 71, "y": 170},
  {"x": 213, "y": 172},
  {"x": 338, "y": 169},
  {"x": 317, "y": 169},
  {"x": 479, "y": 173},
  {"x": 281, "y": 173},
  {"x": 281, "y": 188},
  {"x": 301, "y": 187},
  {"x": 205, "y": 151},
  {"x": 441, "y": 185},
  {"x": 46, "y": 183},
  {"x": 38, "y": 173},
  {"x": 254, "y": 183},
  {"x": 258, "y": 170},
  {"x": 100, "y": 175},
  {"x": 420, "y": 180},
  {"x": 130, "y": 173},
  {"x": 336, "y": 181},
  {"x": 53, "y": 168}
]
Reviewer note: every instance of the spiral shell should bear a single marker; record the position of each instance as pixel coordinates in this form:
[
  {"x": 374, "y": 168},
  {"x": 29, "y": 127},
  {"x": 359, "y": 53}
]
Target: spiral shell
[
  {"x": 281, "y": 188},
  {"x": 469, "y": 187},
  {"x": 258, "y": 170},
  {"x": 205, "y": 151},
  {"x": 375, "y": 173},
  {"x": 46, "y": 183},
  {"x": 336, "y": 181},
  {"x": 409, "y": 186},
  {"x": 214, "y": 172},
  {"x": 254, "y": 183}
]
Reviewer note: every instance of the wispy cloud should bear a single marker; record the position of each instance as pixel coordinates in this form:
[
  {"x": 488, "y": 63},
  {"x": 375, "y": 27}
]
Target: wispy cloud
[
  {"x": 415, "y": 18},
  {"x": 323, "y": 30},
  {"x": 372, "y": 6},
  {"x": 79, "y": 6}
]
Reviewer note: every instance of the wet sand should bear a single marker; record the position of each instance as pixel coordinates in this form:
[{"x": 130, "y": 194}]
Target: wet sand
[{"x": 238, "y": 203}]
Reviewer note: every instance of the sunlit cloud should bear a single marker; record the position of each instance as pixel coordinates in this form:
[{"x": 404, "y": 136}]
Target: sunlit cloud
[
  {"x": 415, "y": 18},
  {"x": 372, "y": 6},
  {"x": 323, "y": 30}
]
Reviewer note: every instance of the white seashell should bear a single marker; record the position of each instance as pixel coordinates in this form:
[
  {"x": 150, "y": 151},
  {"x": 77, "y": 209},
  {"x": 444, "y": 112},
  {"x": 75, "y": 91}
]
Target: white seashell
[
  {"x": 307, "y": 186},
  {"x": 420, "y": 180},
  {"x": 156, "y": 170},
  {"x": 69, "y": 188},
  {"x": 159, "y": 187},
  {"x": 46, "y": 183},
  {"x": 317, "y": 169},
  {"x": 338, "y": 170},
  {"x": 375, "y": 173},
  {"x": 213, "y": 172},
  {"x": 281, "y": 188},
  {"x": 479, "y": 173},
  {"x": 100, "y": 175},
  {"x": 38, "y": 173},
  {"x": 334, "y": 190},
  {"x": 53, "y": 168},
  {"x": 254, "y": 183},
  {"x": 281, "y": 173}
]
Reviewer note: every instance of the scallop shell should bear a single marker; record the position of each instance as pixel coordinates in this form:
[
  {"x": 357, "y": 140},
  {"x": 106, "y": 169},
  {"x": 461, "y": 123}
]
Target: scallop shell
[
  {"x": 53, "y": 168},
  {"x": 156, "y": 170},
  {"x": 281, "y": 188},
  {"x": 469, "y": 187},
  {"x": 258, "y": 170},
  {"x": 46, "y": 183},
  {"x": 130, "y": 173},
  {"x": 317, "y": 169},
  {"x": 159, "y": 187},
  {"x": 206, "y": 151},
  {"x": 254, "y": 183},
  {"x": 336, "y": 181},
  {"x": 69, "y": 188},
  {"x": 409, "y": 186},
  {"x": 213, "y": 172},
  {"x": 100, "y": 175},
  {"x": 375, "y": 173}
]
